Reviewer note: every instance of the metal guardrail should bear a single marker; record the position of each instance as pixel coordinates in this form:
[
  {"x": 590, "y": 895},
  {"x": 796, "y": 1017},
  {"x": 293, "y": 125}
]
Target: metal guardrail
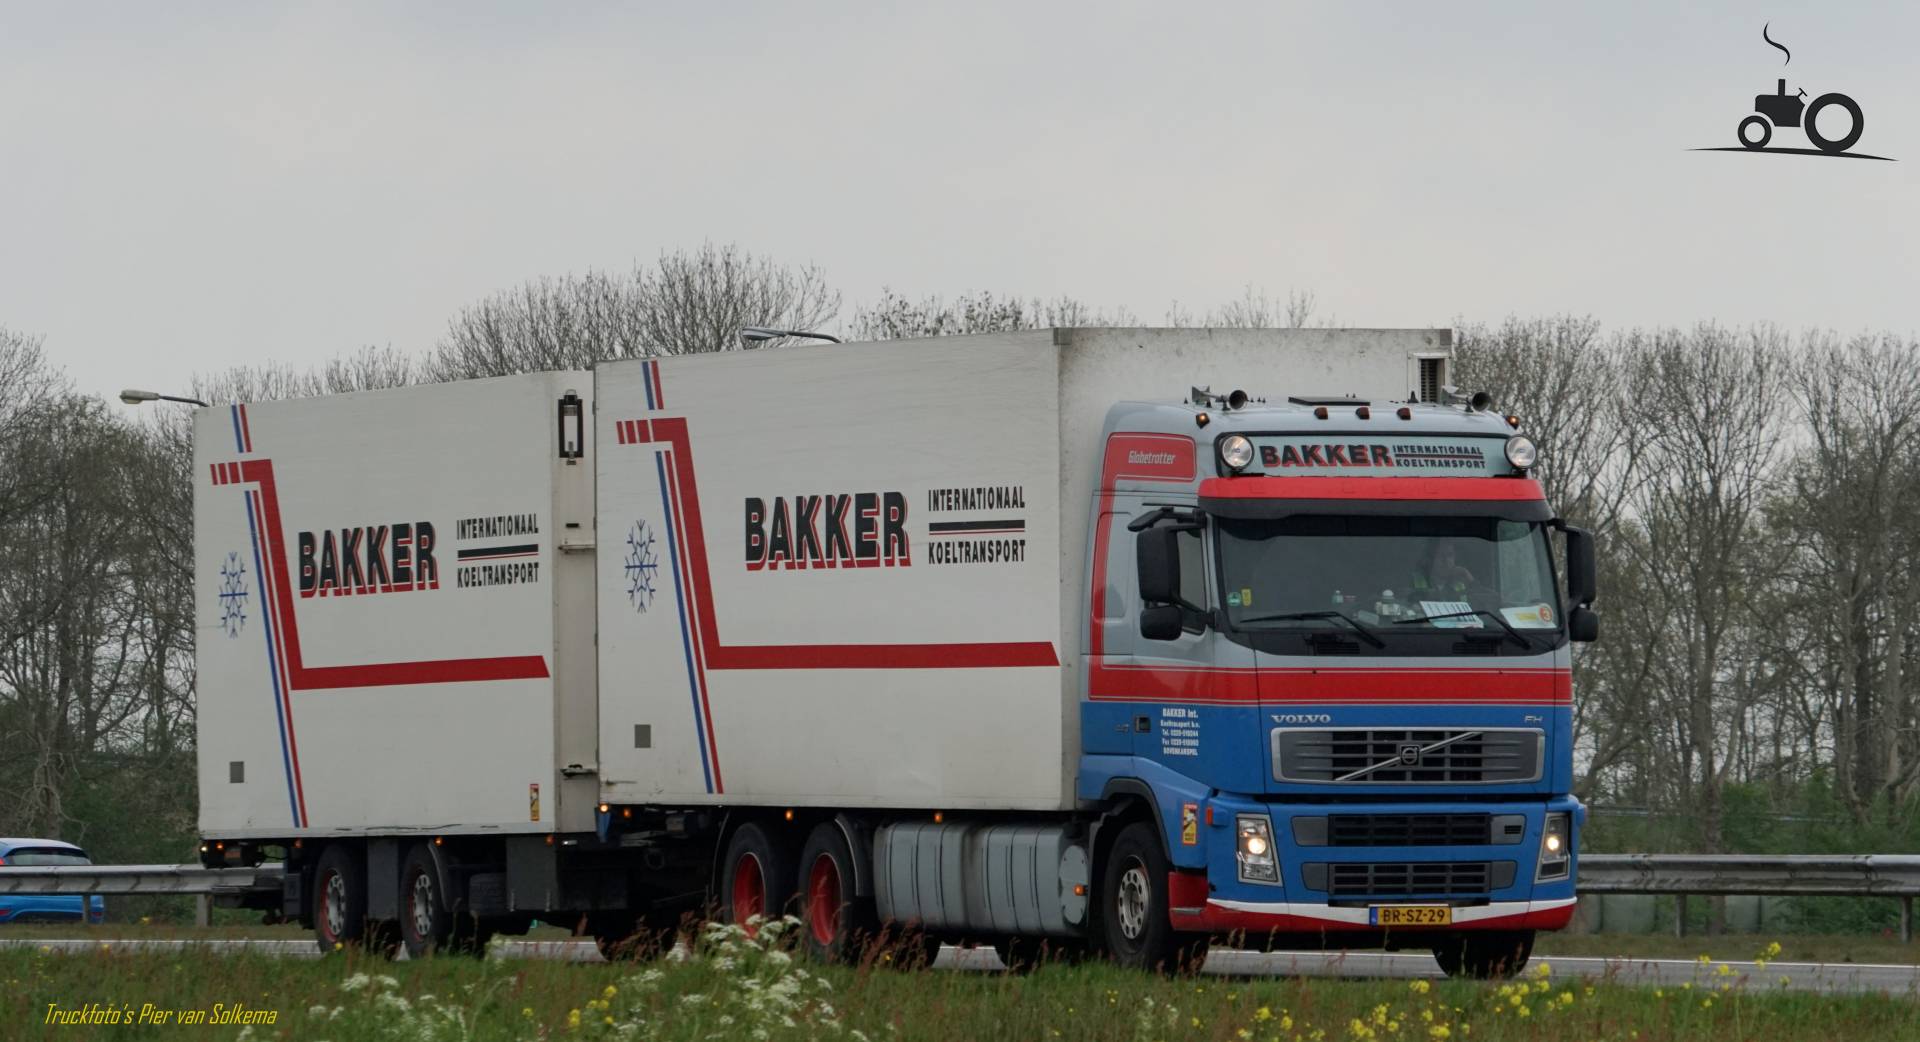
[
  {"x": 1764, "y": 875},
  {"x": 137, "y": 879},
  {"x": 208, "y": 885},
  {"x": 1682, "y": 875}
]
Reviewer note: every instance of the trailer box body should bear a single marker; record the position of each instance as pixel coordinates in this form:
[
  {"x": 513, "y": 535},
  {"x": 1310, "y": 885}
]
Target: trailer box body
[
  {"x": 388, "y": 640},
  {"x": 853, "y": 575}
]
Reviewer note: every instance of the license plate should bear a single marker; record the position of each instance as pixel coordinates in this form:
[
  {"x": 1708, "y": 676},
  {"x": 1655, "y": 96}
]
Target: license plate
[{"x": 1412, "y": 915}]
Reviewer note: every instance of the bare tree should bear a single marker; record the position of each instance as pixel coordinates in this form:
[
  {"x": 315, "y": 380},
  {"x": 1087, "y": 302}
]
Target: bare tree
[
  {"x": 689, "y": 302},
  {"x": 896, "y": 317}
]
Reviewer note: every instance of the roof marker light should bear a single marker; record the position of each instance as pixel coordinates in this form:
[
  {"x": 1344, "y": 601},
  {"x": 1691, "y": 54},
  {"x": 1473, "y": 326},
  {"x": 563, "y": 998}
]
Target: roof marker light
[
  {"x": 1514, "y": 422},
  {"x": 1405, "y": 413},
  {"x": 1364, "y": 413},
  {"x": 1201, "y": 419},
  {"x": 1320, "y": 412}
]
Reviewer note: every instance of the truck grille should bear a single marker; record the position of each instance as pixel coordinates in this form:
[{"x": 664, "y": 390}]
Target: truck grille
[
  {"x": 1407, "y": 830},
  {"x": 1423, "y": 879},
  {"x": 1404, "y": 756}
]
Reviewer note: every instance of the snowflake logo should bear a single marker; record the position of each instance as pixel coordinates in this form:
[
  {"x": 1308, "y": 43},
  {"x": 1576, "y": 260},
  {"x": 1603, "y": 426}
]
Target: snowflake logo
[
  {"x": 233, "y": 595},
  {"x": 641, "y": 565}
]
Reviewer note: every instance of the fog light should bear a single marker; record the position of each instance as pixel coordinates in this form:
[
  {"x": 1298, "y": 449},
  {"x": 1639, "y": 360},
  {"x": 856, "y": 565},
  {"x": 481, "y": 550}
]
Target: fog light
[
  {"x": 1254, "y": 850},
  {"x": 1236, "y": 452},
  {"x": 1522, "y": 452}
]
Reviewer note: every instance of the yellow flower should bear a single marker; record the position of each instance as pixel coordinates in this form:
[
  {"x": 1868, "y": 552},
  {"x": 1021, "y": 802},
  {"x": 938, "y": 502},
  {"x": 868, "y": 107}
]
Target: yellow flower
[
  {"x": 1707, "y": 1003},
  {"x": 1773, "y": 949},
  {"x": 1524, "y": 1012},
  {"x": 1244, "y": 1033},
  {"x": 1426, "y": 1015},
  {"x": 1420, "y": 987},
  {"x": 1286, "y": 1022},
  {"x": 573, "y": 1020},
  {"x": 1514, "y": 1000},
  {"x": 1440, "y": 1031},
  {"x": 1704, "y": 959},
  {"x": 1263, "y": 1013},
  {"x": 527, "y": 1011},
  {"x": 610, "y": 992},
  {"x": 1726, "y": 970}
]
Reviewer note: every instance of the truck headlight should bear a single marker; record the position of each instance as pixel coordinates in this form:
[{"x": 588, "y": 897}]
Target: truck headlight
[
  {"x": 1522, "y": 452},
  {"x": 1253, "y": 850},
  {"x": 1236, "y": 452},
  {"x": 1556, "y": 848}
]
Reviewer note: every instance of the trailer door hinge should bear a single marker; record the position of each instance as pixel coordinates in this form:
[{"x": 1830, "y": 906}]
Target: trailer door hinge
[
  {"x": 573, "y": 426},
  {"x": 581, "y": 546},
  {"x": 575, "y": 770}
]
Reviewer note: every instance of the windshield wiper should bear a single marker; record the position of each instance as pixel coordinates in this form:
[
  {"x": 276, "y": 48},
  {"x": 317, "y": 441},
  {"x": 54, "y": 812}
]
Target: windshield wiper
[
  {"x": 1365, "y": 633},
  {"x": 1525, "y": 641}
]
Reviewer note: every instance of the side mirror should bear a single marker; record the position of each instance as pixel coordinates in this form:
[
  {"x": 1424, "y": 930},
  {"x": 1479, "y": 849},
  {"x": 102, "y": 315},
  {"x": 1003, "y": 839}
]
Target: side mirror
[
  {"x": 1161, "y": 622},
  {"x": 1581, "y": 585},
  {"x": 1583, "y": 624},
  {"x": 1157, "y": 560}
]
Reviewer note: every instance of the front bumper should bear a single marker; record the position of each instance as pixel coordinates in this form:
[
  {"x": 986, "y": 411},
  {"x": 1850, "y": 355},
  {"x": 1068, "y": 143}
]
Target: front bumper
[{"x": 1512, "y": 894}]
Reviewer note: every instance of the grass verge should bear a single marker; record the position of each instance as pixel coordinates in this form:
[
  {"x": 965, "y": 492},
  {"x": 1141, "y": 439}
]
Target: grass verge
[{"x": 734, "y": 988}]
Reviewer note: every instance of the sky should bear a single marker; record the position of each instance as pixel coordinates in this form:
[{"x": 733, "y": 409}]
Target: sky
[{"x": 189, "y": 187}]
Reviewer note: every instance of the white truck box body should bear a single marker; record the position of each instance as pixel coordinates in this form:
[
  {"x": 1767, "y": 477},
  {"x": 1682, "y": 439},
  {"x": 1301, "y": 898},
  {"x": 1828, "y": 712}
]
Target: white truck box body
[
  {"x": 938, "y": 679},
  {"x": 357, "y": 705},
  {"x": 835, "y": 677}
]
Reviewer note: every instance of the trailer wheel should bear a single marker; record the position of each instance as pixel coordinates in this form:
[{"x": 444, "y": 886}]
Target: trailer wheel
[
  {"x": 756, "y": 878},
  {"x": 424, "y": 920},
  {"x": 836, "y": 923},
  {"x": 1133, "y": 907},
  {"x": 1487, "y": 956},
  {"x": 339, "y": 899}
]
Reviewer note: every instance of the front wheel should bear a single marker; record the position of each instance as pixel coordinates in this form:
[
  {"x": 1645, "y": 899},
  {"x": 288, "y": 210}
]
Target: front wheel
[
  {"x": 1133, "y": 907},
  {"x": 1488, "y": 956},
  {"x": 1812, "y": 123},
  {"x": 1760, "y": 124}
]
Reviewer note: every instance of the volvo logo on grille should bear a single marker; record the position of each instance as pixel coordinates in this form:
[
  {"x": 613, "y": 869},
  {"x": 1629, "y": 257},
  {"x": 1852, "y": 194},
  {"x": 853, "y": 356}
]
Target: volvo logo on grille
[
  {"x": 1410, "y": 754},
  {"x": 1303, "y": 718}
]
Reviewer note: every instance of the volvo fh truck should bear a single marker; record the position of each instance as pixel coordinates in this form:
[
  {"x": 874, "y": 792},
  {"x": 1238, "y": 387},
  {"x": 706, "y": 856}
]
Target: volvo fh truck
[{"x": 1116, "y": 641}]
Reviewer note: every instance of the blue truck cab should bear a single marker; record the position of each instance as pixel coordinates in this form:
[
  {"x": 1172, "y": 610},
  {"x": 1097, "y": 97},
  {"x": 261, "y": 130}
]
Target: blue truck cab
[
  {"x": 1328, "y": 641},
  {"x": 47, "y": 908}
]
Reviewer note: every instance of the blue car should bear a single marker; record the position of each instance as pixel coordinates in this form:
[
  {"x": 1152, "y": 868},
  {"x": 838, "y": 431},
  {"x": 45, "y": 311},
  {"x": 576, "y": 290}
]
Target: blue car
[{"x": 46, "y": 908}]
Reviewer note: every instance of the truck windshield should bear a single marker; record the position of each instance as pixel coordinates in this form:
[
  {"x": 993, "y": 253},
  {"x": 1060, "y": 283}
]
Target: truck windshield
[{"x": 1392, "y": 574}]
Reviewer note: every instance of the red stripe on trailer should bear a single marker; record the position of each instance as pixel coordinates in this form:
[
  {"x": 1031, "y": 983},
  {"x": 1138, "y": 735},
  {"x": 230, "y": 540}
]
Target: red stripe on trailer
[
  {"x": 673, "y": 431},
  {"x": 659, "y": 389},
  {"x": 246, "y": 432},
  {"x": 301, "y": 677},
  {"x": 278, "y": 624},
  {"x": 694, "y": 599},
  {"x": 1474, "y": 489}
]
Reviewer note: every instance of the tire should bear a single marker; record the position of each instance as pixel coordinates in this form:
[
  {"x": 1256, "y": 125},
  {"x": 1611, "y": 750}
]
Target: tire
[
  {"x": 756, "y": 877},
  {"x": 339, "y": 899},
  {"x": 1810, "y": 123},
  {"x": 1488, "y": 956},
  {"x": 836, "y": 924},
  {"x": 425, "y": 922},
  {"x": 1766, "y": 132},
  {"x": 1133, "y": 907}
]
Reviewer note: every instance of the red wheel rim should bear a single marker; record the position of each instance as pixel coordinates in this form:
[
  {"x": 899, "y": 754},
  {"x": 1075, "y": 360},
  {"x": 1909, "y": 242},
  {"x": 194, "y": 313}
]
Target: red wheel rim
[
  {"x": 749, "y": 891},
  {"x": 823, "y": 899}
]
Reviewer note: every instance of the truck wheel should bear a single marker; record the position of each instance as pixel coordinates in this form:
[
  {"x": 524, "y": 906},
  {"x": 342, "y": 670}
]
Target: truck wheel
[
  {"x": 339, "y": 899},
  {"x": 756, "y": 877},
  {"x": 1488, "y": 956},
  {"x": 835, "y": 923},
  {"x": 426, "y": 925},
  {"x": 1133, "y": 907}
]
